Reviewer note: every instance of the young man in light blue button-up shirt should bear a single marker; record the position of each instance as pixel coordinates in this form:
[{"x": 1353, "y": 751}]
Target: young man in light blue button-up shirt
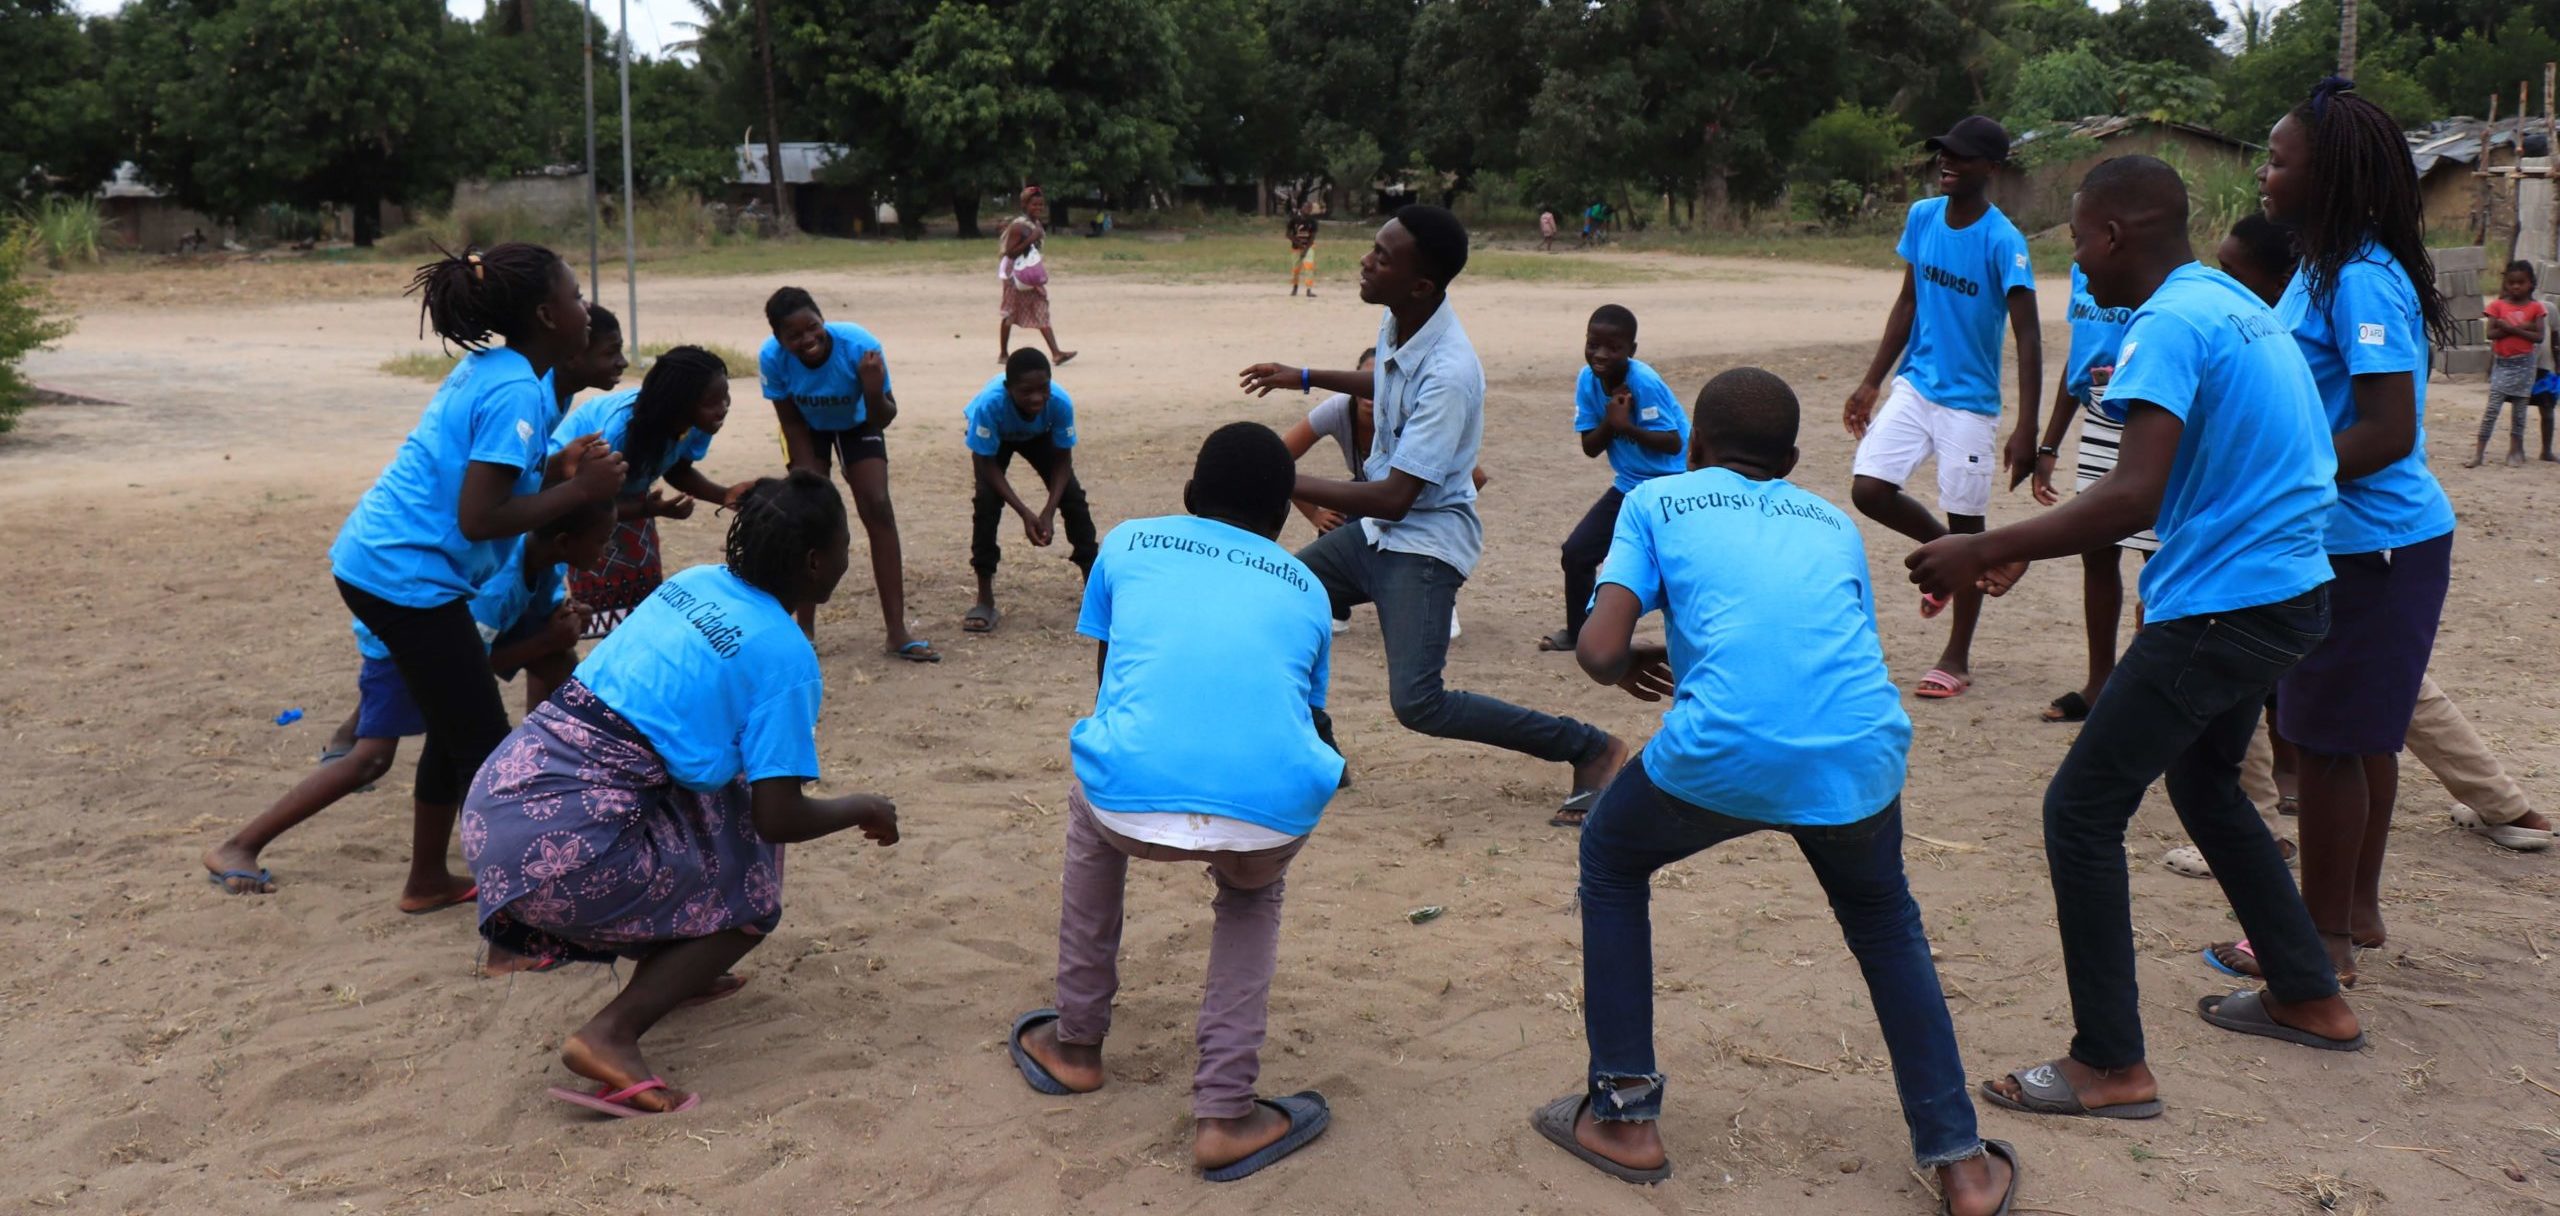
[{"x": 1419, "y": 538}]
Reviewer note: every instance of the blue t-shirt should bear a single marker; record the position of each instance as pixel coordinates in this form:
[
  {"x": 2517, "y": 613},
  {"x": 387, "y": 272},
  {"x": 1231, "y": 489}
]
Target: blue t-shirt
[
  {"x": 1221, "y": 643},
  {"x": 1656, "y": 409},
  {"x": 504, "y": 602},
  {"x": 2250, "y": 489},
  {"x": 718, "y": 678},
  {"x": 610, "y": 416},
  {"x": 2372, "y": 326},
  {"x": 403, "y": 542},
  {"x": 829, "y": 396},
  {"x": 990, "y": 421},
  {"x": 1960, "y": 283},
  {"x": 2095, "y": 332},
  {"x": 1784, "y": 712}
]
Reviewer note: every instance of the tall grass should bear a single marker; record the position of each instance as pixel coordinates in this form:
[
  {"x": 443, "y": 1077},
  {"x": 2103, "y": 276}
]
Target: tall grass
[
  {"x": 663, "y": 222},
  {"x": 66, "y": 230},
  {"x": 419, "y": 365}
]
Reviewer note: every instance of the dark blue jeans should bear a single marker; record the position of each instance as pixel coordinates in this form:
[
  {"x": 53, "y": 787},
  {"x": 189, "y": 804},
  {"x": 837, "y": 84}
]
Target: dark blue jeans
[
  {"x": 1638, "y": 828},
  {"x": 2184, "y": 701}
]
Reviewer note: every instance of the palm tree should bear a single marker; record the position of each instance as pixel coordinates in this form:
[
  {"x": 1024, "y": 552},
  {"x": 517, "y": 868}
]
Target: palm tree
[
  {"x": 2347, "y": 38},
  {"x": 784, "y": 221}
]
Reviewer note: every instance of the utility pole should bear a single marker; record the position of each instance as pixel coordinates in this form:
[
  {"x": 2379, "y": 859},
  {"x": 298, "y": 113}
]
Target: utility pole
[
  {"x": 2347, "y": 38},
  {"x": 783, "y": 220},
  {"x": 595, "y": 220},
  {"x": 630, "y": 221}
]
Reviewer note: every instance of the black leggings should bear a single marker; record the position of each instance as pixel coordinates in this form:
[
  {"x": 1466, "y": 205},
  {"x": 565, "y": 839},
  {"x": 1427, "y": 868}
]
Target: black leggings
[
  {"x": 442, "y": 660},
  {"x": 1584, "y": 550}
]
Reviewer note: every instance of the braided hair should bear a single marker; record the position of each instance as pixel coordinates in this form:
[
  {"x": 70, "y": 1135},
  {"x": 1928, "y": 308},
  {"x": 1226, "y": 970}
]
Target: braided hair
[
  {"x": 664, "y": 410},
  {"x": 470, "y": 297},
  {"x": 780, "y": 522},
  {"x": 2364, "y": 188}
]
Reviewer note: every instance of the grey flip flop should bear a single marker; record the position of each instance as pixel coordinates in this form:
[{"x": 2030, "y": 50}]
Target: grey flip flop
[
  {"x": 1575, "y": 809},
  {"x": 1555, "y": 1121},
  {"x": 2042, "y": 1091},
  {"x": 2245, "y": 1013},
  {"x": 1032, "y": 1072},
  {"x": 1308, "y": 1117},
  {"x": 2009, "y": 1198}
]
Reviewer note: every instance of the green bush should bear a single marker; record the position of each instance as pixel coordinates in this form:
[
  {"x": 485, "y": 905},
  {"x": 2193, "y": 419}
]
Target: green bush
[
  {"x": 65, "y": 230},
  {"x": 1853, "y": 145},
  {"x": 27, "y": 321},
  {"x": 1837, "y": 204}
]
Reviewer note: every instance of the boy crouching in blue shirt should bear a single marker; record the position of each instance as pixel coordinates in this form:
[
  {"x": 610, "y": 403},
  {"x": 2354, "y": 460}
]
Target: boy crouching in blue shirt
[
  {"x": 1201, "y": 618},
  {"x": 1782, "y": 719}
]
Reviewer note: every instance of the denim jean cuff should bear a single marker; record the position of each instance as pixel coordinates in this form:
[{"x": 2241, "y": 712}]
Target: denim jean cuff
[
  {"x": 1640, "y": 1103},
  {"x": 1944, "y": 1159}
]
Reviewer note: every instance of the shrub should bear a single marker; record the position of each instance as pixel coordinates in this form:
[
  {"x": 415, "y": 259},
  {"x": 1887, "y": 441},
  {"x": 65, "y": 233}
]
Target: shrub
[
  {"x": 65, "y": 230},
  {"x": 1853, "y": 145},
  {"x": 27, "y": 321}
]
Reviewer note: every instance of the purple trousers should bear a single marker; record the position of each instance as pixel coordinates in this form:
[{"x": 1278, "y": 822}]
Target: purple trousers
[{"x": 1244, "y": 947}]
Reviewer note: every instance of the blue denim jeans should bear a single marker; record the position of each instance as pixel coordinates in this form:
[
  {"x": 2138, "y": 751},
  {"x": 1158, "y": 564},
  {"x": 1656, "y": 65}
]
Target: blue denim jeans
[
  {"x": 2184, "y": 701},
  {"x": 1638, "y": 828},
  {"x": 1415, "y": 596}
]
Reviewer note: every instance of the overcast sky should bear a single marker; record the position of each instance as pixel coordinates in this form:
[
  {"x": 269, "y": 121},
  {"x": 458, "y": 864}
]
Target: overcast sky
[{"x": 653, "y": 22}]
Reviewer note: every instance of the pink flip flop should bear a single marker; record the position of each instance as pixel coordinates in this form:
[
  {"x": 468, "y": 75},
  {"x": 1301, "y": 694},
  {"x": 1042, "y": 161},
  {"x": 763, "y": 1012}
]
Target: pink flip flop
[
  {"x": 617, "y": 1102},
  {"x": 1940, "y": 684},
  {"x": 1931, "y": 605}
]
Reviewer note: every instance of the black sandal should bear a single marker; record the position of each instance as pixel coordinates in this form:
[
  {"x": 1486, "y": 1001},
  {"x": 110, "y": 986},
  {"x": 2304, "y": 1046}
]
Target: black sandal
[{"x": 2071, "y": 706}]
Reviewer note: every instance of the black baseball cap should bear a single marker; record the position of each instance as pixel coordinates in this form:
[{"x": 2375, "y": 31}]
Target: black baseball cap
[{"x": 1975, "y": 138}]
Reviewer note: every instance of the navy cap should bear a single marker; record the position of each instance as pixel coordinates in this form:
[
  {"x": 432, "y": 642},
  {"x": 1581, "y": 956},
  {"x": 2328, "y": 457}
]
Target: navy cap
[{"x": 1975, "y": 138}]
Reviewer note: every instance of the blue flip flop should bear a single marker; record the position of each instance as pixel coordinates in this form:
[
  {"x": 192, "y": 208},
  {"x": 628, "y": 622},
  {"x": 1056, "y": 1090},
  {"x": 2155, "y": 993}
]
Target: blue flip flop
[
  {"x": 1032, "y": 1072},
  {"x": 918, "y": 651},
  {"x": 223, "y": 880},
  {"x": 1308, "y": 1117}
]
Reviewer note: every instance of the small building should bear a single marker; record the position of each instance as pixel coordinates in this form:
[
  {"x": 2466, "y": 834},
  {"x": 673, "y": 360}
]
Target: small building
[
  {"x": 141, "y": 218},
  {"x": 2448, "y": 153},
  {"x": 820, "y": 207},
  {"x": 552, "y": 196},
  {"x": 2035, "y": 191}
]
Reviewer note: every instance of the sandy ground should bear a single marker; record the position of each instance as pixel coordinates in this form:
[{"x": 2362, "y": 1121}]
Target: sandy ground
[{"x": 168, "y": 1049}]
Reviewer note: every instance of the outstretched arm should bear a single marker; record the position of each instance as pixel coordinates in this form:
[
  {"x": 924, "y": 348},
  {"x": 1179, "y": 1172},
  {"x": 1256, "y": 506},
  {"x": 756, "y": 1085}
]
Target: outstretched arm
[
  {"x": 2124, "y": 502},
  {"x": 786, "y": 814},
  {"x": 1390, "y": 499},
  {"x": 1264, "y": 379}
]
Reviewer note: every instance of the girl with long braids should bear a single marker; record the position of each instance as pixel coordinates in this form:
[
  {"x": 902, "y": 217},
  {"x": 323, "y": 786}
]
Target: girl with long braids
[
  {"x": 641, "y": 812},
  {"x": 2364, "y": 308},
  {"x": 661, "y": 428},
  {"x": 449, "y": 510}
]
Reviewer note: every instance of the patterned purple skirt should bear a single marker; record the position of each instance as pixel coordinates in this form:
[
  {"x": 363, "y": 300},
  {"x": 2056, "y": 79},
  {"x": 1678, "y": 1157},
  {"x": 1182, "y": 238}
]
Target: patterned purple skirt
[{"x": 586, "y": 851}]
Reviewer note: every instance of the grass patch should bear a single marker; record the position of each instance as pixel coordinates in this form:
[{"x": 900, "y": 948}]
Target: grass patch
[
  {"x": 741, "y": 364},
  {"x": 1198, "y": 257},
  {"x": 427, "y": 365}
]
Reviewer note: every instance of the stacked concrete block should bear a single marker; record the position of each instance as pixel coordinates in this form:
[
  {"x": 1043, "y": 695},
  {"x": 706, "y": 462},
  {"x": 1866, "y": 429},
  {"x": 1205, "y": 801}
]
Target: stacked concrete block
[{"x": 2459, "y": 273}]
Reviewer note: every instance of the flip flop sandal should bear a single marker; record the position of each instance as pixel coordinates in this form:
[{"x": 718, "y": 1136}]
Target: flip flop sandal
[
  {"x": 917, "y": 651},
  {"x": 330, "y": 755},
  {"x": 469, "y": 894},
  {"x": 2042, "y": 1091},
  {"x": 980, "y": 618},
  {"x": 2289, "y": 804},
  {"x": 2246, "y": 1013},
  {"x": 2503, "y": 835},
  {"x": 2213, "y": 958},
  {"x": 1555, "y": 1121},
  {"x": 1931, "y": 605},
  {"x": 1033, "y": 1073},
  {"x": 261, "y": 876},
  {"x": 1308, "y": 1117},
  {"x": 2009, "y": 1198},
  {"x": 2071, "y": 706},
  {"x": 1941, "y": 685},
  {"x": 1552, "y": 643},
  {"x": 1575, "y": 809},
  {"x": 617, "y": 1102},
  {"x": 2186, "y": 860}
]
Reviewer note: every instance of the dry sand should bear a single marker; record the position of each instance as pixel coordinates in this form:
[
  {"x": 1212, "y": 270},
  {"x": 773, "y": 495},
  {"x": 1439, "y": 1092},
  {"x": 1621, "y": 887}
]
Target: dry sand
[{"x": 168, "y": 1049}]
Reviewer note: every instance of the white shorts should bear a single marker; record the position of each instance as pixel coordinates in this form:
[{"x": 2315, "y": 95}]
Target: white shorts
[{"x": 1910, "y": 428}]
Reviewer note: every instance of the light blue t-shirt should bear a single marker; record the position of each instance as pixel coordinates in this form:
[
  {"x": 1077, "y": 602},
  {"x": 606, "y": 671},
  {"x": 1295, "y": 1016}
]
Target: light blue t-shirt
[
  {"x": 990, "y": 421},
  {"x": 1429, "y": 422},
  {"x": 829, "y": 396},
  {"x": 610, "y": 416},
  {"x": 718, "y": 678},
  {"x": 1960, "y": 283},
  {"x": 2242, "y": 515},
  {"x": 2372, "y": 326},
  {"x": 403, "y": 542},
  {"x": 501, "y": 604},
  {"x": 2095, "y": 333},
  {"x": 1221, "y": 644},
  {"x": 1784, "y": 711},
  {"x": 1656, "y": 409}
]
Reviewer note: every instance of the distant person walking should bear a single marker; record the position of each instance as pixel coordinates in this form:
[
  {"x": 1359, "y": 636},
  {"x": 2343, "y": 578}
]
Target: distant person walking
[{"x": 1025, "y": 278}]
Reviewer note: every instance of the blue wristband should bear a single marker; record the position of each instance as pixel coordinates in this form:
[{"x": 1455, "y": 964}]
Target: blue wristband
[{"x": 1306, "y": 381}]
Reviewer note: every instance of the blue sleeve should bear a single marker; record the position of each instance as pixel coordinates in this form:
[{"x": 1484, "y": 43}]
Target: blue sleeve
[
  {"x": 699, "y": 446},
  {"x": 1657, "y": 407},
  {"x": 1590, "y": 405},
  {"x": 502, "y": 599},
  {"x": 780, "y": 738},
  {"x": 1094, "y": 620},
  {"x": 1434, "y": 445},
  {"x": 2015, "y": 269},
  {"x": 769, "y": 370},
  {"x": 2161, "y": 360},
  {"x": 503, "y": 429},
  {"x": 1631, "y": 562},
  {"x": 979, "y": 429},
  {"x": 1062, "y": 418},
  {"x": 571, "y": 427},
  {"x": 2376, "y": 320},
  {"x": 1908, "y": 248}
]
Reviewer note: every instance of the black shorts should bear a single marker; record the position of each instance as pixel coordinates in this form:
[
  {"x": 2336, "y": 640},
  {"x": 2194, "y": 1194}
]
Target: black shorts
[{"x": 847, "y": 447}]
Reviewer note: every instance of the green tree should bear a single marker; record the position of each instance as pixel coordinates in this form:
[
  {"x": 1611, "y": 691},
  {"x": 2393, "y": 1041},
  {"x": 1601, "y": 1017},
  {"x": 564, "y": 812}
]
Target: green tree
[
  {"x": 2464, "y": 71},
  {"x": 2066, "y": 84},
  {"x": 1469, "y": 77},
  {"x": 53, "y": 101},
  {"x": 27, "y": 320},
  {"x": 1344, "y": 61},
  {"x": 1237, "y": 110},
  {"x": 2182, "y": 32},
  {"x": 2300, "y": 48}
]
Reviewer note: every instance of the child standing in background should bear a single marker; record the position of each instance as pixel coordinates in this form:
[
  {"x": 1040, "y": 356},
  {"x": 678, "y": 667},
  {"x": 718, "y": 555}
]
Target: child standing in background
[
  {"x": 2516, "y": 324},
  {"x": 1302, "y": 251},
  {"x": 1622, "y": 408}
]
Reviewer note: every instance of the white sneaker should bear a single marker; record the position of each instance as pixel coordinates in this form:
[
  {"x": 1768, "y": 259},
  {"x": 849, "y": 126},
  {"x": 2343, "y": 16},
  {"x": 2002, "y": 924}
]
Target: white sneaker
[
  {"x": 1454, "y": 631},
  {"x": 2504, "y": 835},
  {"x": 1339, "y": 625}
]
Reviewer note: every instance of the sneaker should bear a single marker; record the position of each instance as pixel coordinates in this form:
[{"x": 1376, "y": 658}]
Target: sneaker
[{"x": 1453, "y": 625}]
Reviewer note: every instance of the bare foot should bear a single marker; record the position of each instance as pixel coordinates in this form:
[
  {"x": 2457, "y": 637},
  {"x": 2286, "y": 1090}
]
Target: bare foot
[
  {"x": 2535, "y": 821},
  {"x": 726, "y": 985},
  {"x": 617, "y": 1066},
  {"x": 1222, "y": 1142},
  {"x": 2474, "y": 462},
  {"x": 1976, "y": 1186},
  {"x": 2095, "y": 1087},
  {"x": 1061, "y": 359},
  {"x": 1559, "y": 640},
  {"x": 230, "y": 855},
  {"x": 2515, "y": 459},
  {"x": 1078, "y": 1066},
  {"x": 1636, "y": 1145},
  {"x": 1595, "y": 773},
  {"x": 448, "y": 890}
]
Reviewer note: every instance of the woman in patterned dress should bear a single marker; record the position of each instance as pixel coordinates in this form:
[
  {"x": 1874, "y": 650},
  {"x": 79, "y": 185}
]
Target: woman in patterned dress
[{"x": 1026, "y": 287}]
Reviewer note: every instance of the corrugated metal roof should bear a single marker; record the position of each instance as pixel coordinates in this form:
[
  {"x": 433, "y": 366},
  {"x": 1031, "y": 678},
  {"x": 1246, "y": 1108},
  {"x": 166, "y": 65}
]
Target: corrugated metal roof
[
  {"x": 2456, "y": 141},
  {"x": 2108, "y": 126}
]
